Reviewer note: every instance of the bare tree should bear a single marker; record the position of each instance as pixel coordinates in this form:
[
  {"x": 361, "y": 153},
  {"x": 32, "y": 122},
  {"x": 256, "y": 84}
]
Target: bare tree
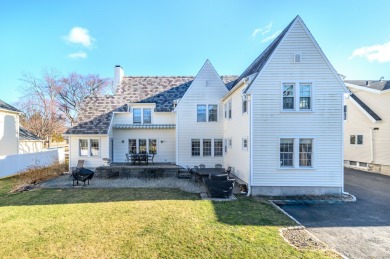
[
  {"x": 39, "y": 104},
  {"x": 71, "y": 90}
]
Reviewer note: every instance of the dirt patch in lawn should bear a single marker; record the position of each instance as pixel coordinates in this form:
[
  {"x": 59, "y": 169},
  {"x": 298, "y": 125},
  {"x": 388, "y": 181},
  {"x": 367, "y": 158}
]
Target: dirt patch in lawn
[{"x": 300, "y": 238}]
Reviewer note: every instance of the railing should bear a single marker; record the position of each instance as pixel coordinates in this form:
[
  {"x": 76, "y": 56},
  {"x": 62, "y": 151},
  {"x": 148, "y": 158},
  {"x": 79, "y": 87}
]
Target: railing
[{"x": 13, "y": 164}]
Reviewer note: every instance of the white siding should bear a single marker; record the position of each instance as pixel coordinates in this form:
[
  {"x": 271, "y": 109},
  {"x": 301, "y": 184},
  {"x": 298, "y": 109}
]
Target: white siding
[
  {"x": 358, "y": 124},
  {"x": 89, "y": 161},
  {"x": 207, "y": 88},
  {"x": 237, "y": 128},
  {"x": 324, "y": 123},
  {"x": 165, "y": 143},
  {"x": 9, "y": 133}
]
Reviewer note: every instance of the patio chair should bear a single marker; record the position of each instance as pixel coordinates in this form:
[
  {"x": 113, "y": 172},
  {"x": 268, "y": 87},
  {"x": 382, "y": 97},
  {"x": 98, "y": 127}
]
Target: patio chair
[
  {"x": 128, "y": 158},
  {"x": 229, "y": 171},
  {"x": 202, "y": 166},
  {"x": 196, "y": 167},
  {"x": 152, "y": 157},
  {"x": 218, "y": 166}
]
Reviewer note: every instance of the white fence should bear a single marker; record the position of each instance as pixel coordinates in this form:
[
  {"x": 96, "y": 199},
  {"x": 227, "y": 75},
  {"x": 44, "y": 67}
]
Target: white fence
[{"x": 13, "y": 164}]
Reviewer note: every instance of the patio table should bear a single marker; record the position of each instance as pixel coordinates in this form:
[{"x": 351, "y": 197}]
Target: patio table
[
  {"x": 140, "y": 158},
  {"x": 210, "y": 171}
]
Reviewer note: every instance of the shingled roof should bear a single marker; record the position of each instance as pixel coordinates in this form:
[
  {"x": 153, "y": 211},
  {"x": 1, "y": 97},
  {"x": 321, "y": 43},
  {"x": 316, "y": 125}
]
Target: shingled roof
[
  {"x": 366, "y": 108},
  {"x": 96, "y": 111},
  {"x": 380, "y": 85},
  {"x": 27, "y": 135},
  {"x": 6, "y": 106}
]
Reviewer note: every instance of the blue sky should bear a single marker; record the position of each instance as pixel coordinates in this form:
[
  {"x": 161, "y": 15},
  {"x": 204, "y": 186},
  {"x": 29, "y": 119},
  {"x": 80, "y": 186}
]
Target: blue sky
[{"x": 176, "y": 37}]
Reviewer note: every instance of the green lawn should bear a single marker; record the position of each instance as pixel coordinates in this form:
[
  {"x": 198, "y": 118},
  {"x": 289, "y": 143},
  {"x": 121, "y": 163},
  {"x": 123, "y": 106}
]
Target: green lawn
[{"x": 138, "y": 223}]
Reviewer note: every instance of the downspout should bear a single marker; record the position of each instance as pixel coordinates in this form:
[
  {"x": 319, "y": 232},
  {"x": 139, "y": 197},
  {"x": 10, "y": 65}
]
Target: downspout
[
  {"x": 372, "y": 143},
  {"x": 250, "y": 148}
]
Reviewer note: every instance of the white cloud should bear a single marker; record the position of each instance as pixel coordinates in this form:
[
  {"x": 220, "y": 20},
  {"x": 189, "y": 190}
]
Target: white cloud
[
  {"x": 80, "y": 54},
  {"x": 380, "y": 53},
  {"x": 79, "y": 35},
  {"x": 263, "y": 30},
  {"x": 271, "y": 37}
]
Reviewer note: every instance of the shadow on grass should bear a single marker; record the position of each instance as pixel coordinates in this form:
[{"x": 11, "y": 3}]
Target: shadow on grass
[{"x": 244, "y": 211}]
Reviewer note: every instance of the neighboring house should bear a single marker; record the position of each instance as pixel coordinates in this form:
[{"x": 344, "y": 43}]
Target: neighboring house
[
  {"x": 9, "y": 129},
  {"x": 279, "y": 125},
  {"x": 367, "y": 125},
  {"x": 29, "y": 142}
]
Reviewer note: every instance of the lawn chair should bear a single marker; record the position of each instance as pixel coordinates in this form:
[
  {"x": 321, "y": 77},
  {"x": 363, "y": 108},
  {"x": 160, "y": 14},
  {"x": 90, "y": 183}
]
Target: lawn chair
[
  {"x": 218, "y": 166},
  {"x": 202, "y": 166}
]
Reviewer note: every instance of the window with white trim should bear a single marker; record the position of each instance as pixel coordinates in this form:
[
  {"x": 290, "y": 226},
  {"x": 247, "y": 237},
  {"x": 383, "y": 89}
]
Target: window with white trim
[
  {"x": 297, "y": 97},
  {"x": 142, "y": 146},
  {"x": 89, "y": 147},
  {"x": 142, "y": 115},
  {"x": 207, "y": 113},
  {"x": 230, "y": 109},
  {"x": 345, "y": 112},
  {"x": 218, "y": 147},
  {"x": 137, "y": 117},
  {"x": 245, "y": 143},
  {"x": 296, "y": 153},
  {"x": 356, "y": 139},
  {"x": 225, "y": 110},
  {"x": 244, "y": 104},
  {"x": 305, "y": 152},
  {"x": 195, "y": 147},
  {"x": 206, "y": 147},
  {"x": 286, "y": 152},
  {"x": 83, "y": 147}
]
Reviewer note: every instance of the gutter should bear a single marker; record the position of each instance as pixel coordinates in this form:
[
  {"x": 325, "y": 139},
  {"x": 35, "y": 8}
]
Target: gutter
[{"x": 242, "y": 81}]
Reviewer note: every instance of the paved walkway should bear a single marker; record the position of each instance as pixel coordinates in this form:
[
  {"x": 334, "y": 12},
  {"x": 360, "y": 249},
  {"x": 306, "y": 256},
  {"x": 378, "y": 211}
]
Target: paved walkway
[
  {"x": 170, "y": 181},
  {"x": 357, "y": 230}
]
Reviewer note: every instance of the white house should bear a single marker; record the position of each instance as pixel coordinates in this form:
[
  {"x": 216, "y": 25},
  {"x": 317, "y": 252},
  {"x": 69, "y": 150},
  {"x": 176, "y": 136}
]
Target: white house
[
  {"x": 9, "y": 129},
  {"x": 14, "y": 139},
  {"x": 279, "y": 125},
  {"x": 367, "y": 123}
]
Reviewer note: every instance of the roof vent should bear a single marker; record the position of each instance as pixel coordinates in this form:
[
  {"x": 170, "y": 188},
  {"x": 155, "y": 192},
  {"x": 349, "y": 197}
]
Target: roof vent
[{"x": 297, "y": 57}]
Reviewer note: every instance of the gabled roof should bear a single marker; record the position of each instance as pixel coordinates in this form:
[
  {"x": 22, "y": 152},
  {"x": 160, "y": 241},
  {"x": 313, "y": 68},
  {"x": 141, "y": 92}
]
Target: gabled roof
[
  {"x": 260, "y": 61},
  {"x": 27, "y": 135},
  {"x": 365, "y": 107},
  {"x": 96, "y": 111},
  {"x": 6, "y": 106},
  {"x": 380, "y": 85}
]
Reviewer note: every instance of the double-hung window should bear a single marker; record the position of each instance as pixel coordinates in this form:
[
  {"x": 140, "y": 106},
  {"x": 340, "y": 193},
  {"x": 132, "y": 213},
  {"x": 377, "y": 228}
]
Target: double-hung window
[
  {"x": 132, "y": 146},
  {"x": 218, "y": 144},
  {"x": 206, "y": 147},
  {"x": 195, "y": 147},
  {"x": 143, "y": 146},
  {"x": 137, "y": 117},
  {"x": 230, "y": 109},
  {"x": 94, "y": 143},
  {"x": 296, "y": 152},
  {"x": 213, "y": 112},
  {"x": 83, "y": 146},
  {"x": 244, "y": 104},
  {"x": 201, "y": 113},
  {"x": 297, "y": 97},
  {"x": 147, "y": 112}
]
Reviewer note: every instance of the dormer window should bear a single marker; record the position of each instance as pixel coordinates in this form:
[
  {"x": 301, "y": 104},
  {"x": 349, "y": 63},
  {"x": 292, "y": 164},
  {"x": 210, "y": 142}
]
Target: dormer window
[{"x": 142, "y": 115}]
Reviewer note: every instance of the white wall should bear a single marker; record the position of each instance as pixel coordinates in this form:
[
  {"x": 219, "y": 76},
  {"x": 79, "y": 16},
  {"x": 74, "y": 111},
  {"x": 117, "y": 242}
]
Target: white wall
[
  {"x": 12, "y": 164},
  {"x": 187, "y": 127},
  {"x": 166, "y": 143},
  {"x": 89, "y": 161},
  {"x": 9, "y": 133},
  {"x": 28, "y": 146},
  {"x": 237, "y": 128},
  {"x": 324, "y": 124},
  {"x": 358, "y": 123}
]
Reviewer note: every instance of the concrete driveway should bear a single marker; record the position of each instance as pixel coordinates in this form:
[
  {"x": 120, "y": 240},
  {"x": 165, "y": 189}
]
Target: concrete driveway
[{"x": 357, "y": 230}]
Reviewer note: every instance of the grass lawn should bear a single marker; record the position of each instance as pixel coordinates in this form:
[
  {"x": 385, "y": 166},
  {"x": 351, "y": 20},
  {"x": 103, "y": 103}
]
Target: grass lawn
[{"x": 138, "y": 223}]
